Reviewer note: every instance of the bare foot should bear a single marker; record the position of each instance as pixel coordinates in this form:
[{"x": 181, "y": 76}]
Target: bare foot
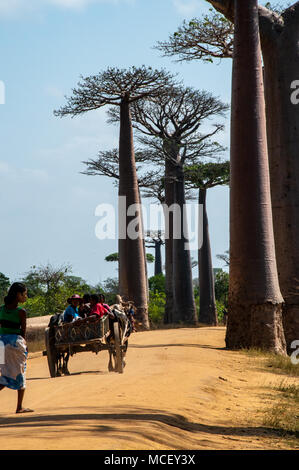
[{"x": 24, "y": 410}]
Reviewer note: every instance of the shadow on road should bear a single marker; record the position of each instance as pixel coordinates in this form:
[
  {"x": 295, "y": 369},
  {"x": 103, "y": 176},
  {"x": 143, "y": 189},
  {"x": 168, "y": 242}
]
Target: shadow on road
[
  {"x": 163, "y": 419},
  {"x": 199, "y": 346}
]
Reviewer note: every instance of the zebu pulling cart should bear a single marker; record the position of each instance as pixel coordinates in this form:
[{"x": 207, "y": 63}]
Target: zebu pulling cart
[{"x": 67, "y": 339}]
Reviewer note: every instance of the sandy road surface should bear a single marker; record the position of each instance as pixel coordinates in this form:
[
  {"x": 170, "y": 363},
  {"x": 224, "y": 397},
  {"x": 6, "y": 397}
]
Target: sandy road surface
[{"x": 179, "y": 390}]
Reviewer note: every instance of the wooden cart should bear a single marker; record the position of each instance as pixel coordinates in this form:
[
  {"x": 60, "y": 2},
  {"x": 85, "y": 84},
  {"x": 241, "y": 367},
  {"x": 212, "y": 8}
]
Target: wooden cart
[{"x": 71, "y": 338}]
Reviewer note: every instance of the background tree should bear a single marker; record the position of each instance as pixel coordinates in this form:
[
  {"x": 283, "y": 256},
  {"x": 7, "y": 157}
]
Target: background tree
[
  {"x": 154, "y": 239},
  {"x": 175, "y": 119},
  {"x": 255, "y": 301},
  {"x": 204, "y": 176},
  {"x": 221, "y": 287},
  {"x": 206, "y": 38},
  {"x": 4, "y": 285},
  {"x": 47, "y": 279},
  {"x": 224, "y": 257},
  {"x": 121, "y": 88}
]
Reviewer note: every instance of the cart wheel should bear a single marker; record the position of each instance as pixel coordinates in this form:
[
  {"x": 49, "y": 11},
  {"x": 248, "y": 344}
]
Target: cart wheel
[
  {"x": 51, "y": 352},
  {"x": 118, "y": 351}
]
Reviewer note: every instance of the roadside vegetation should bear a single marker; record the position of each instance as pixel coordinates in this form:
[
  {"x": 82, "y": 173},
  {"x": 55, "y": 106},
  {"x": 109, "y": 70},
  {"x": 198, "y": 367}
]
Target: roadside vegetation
[{"x": 283, "y": 414}]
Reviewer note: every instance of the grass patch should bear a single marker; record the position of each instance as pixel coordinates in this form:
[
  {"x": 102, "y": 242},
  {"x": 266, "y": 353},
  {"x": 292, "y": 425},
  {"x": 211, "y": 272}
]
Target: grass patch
[
  {"x": 276, "y": 362},
  {"x": 35, "y": 338},
  {"x": 284, "y": 416}
]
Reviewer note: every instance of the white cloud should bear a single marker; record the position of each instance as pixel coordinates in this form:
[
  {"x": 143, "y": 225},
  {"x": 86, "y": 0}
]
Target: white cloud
[{"x": 186, "y": 7}]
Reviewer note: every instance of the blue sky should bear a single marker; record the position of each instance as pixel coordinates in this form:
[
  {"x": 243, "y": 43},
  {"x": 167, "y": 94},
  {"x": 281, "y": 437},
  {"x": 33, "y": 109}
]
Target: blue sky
[{"x": 48, "y": 207}]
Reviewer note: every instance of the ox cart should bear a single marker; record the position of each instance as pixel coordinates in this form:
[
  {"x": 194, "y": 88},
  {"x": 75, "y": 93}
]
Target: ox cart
[{"x": 65, "y": 340}]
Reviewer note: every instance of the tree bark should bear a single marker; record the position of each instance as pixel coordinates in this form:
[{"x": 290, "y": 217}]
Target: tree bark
[
  {"x": 255, "y": 301},
  {"x": 207, "y": 311},
  {"x": 131, "y": 251},
  {"x": 144, "y": 252},
  {"x": 281, "y": 64},
  {"x": 169, "y": 200},
  {"x": 185, "y": 309},
  {"x": 280, "y": 48},
  {"x": 158, "y": 257}
]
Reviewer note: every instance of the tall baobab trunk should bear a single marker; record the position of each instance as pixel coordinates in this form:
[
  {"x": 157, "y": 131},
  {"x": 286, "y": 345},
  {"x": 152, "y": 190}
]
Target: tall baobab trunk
[
  {"x": 208, "y": 311},
  {"x": 158, "y": 257},
  {"x": 169, "y": 200},
  {"x": 255, "y": 301},
  {"x": 281, "y": 64},
  {"x": 280, "y": 48},
  {"x": 131, "y": 251},
  {"x": 144, "y": 252},
  {"x": 182, "y": 271}
]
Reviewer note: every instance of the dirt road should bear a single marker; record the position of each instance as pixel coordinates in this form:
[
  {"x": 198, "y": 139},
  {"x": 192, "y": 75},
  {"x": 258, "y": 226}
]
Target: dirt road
[{"x": 180, "y": 390}]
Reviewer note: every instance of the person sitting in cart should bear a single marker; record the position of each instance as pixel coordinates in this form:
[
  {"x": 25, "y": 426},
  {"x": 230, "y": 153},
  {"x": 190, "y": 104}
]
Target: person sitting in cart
[
  {"x": 71, "y": 312},
  {"x": 97, "y": 309},
  {"x": 84, "y": 307},
  {"x": 106, "y": 306}
]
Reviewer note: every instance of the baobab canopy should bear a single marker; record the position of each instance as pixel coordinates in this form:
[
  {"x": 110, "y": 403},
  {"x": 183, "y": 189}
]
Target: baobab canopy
[{"x": 112, "y": 86}]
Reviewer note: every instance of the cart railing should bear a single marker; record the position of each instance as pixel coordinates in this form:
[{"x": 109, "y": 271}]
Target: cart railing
[{"x": 81, "y": 332}]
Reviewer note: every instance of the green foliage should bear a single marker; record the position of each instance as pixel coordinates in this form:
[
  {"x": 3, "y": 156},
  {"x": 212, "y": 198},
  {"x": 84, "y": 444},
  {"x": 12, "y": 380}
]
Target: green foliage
[
  {"x": 207, "y": 175},
  {"x": 157, "y": 283},
  {"x": 221, "y": 287},
  {"x": 4, "y": 285},
  {"x": 114, "y": 257},
  {"x": 156, "y": 307},
  {"x": 220, "y": 311},
  {"x": 33, "y": 284},
  {"x": 50, "y": 287},
  {"x": 110, "y": 288},
  {"x": 150, "y": 258},
  {"x": 77, "y": 284},
  {"x": 35, "y": 306}
]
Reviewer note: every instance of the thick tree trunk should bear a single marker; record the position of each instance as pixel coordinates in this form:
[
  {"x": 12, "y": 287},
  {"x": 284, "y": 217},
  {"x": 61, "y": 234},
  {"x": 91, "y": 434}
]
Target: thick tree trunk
[
  {"x": 255, "y": 301},
  {"x": 281, "y": 64},
  {"x": 169, "y": 200},
  {"x": 207, "y": 311},
  {"x": 182, "y": 271},
  {"x": 280, "y": 47},
  {"x": 131, "y": 251}
]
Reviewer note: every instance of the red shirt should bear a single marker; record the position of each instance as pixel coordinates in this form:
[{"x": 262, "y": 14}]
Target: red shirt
[{"x": 98, "y": 309}]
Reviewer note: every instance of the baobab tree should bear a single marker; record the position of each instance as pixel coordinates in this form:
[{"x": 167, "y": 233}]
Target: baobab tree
[
  {"x": 121, "y": 88},
  {"x": 155, "y": 239},
  {"x": 204, "y": 176},
  {"x": 255, "y": 301},
  {"x": 207, "y": 38},
  {"x": 279, "y": 30},
  {"x": 224, "y": 257},
  {"x": 176, "y": 119}
]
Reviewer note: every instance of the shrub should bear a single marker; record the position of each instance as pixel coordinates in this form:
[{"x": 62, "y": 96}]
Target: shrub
[
  {"x": 156, "y": 307},
  {"x": 157, "y": 283}
]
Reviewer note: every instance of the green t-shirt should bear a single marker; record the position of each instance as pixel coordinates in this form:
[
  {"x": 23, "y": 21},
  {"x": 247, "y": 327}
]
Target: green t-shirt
[{"x": 10, "y": 323}]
